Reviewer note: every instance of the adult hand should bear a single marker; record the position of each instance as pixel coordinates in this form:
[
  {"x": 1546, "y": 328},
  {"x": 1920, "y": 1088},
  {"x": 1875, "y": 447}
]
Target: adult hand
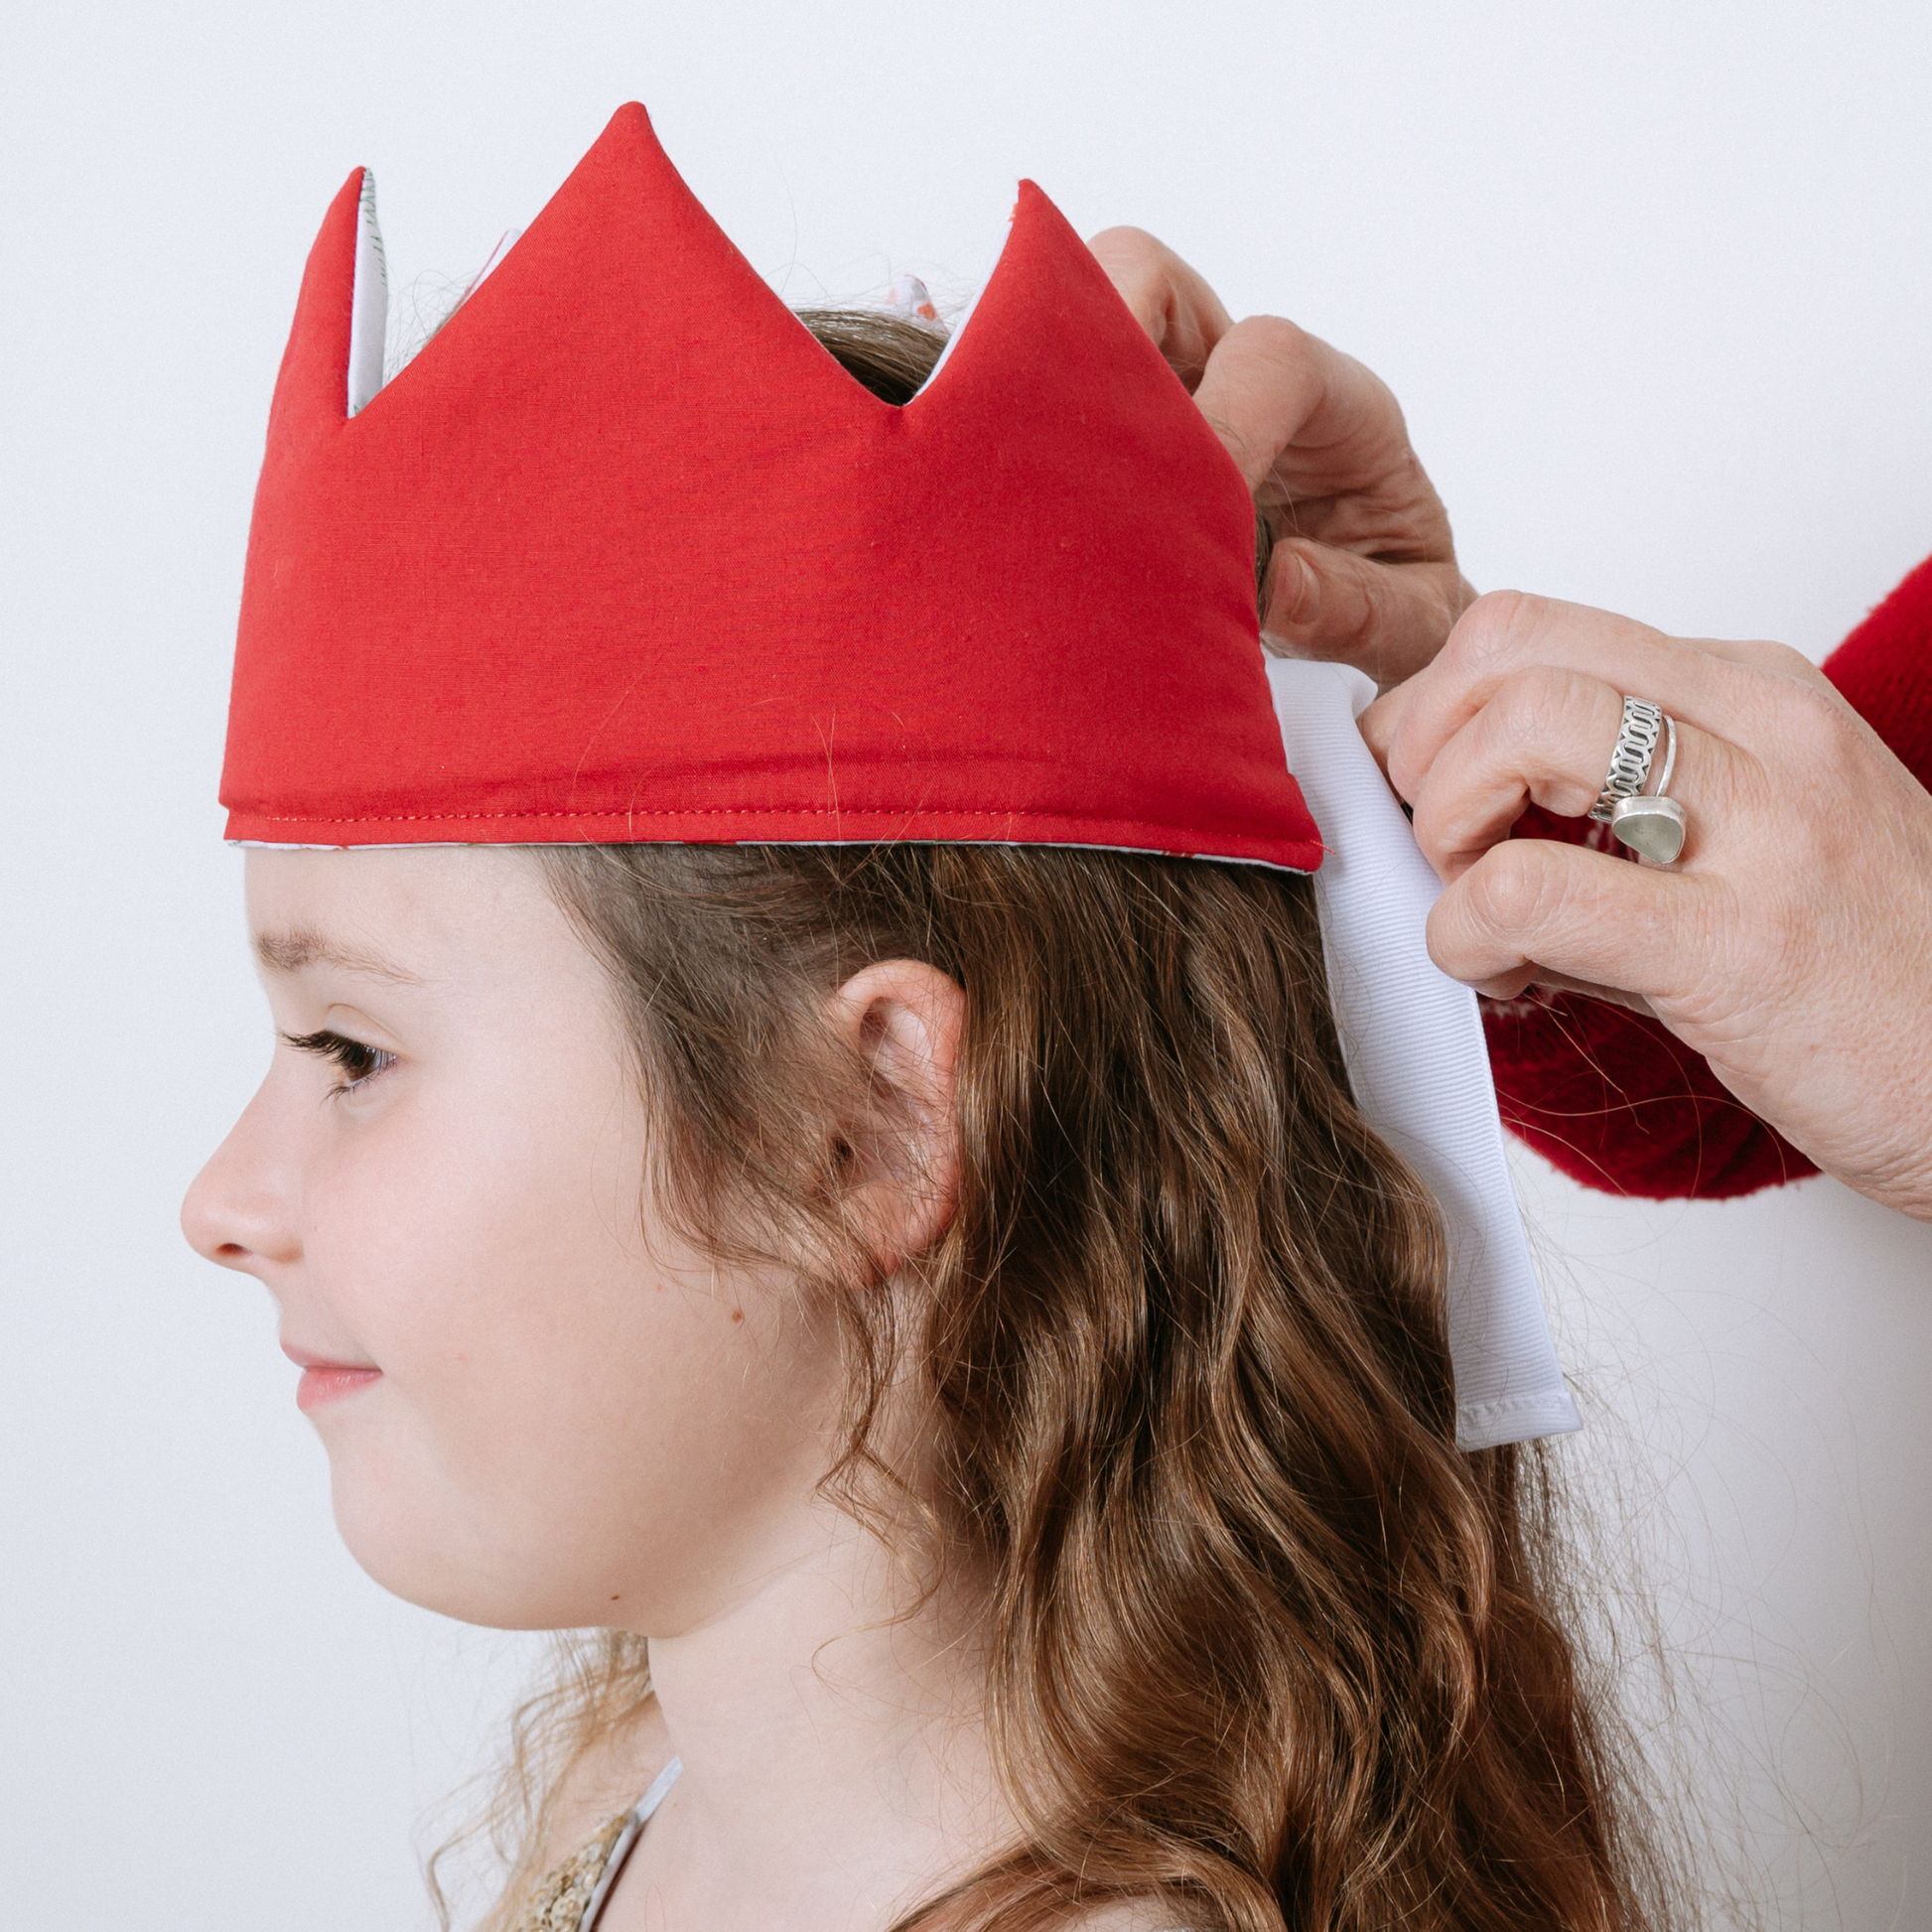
[
  {"x": 1364, "y": 565},
  {"x": 1790, "y": 944}
]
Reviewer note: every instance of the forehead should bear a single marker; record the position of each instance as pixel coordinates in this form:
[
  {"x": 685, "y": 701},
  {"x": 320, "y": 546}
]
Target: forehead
[{"x": 404, "y": 915}]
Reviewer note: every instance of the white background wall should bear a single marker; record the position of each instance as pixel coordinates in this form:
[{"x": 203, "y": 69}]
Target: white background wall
[{"x": 1655, "y": 284}]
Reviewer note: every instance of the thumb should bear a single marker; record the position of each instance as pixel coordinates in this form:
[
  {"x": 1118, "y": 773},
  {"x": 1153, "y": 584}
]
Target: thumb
[{"x": 1388, "y": 619}]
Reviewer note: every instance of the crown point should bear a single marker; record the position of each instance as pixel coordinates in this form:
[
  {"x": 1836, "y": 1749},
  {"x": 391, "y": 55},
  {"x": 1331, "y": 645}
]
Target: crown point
[
  {"x": 315, "y": 385},
  {"x": 630, "y": 125}
]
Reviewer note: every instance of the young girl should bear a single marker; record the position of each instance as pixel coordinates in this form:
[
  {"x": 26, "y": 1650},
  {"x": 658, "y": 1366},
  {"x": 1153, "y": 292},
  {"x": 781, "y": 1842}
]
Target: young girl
[{"x": 808, "y": 1138}]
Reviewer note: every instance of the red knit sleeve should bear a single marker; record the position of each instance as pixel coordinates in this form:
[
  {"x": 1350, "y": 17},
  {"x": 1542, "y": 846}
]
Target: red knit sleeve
[
  {"x": 1884, "y": 670},
  {"x": 1612, "y": 1098}
]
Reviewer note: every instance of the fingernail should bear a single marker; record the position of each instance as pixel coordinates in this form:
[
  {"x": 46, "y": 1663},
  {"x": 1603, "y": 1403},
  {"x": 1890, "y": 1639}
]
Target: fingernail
[{"x": 1296, "y": 589}]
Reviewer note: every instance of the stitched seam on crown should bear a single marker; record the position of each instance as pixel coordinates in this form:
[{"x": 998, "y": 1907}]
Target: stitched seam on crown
[{"x": 716, "y": 811}]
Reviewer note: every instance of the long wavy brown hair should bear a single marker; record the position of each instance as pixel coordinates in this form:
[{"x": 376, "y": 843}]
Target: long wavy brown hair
[{"x": 1265, "y": 1644}]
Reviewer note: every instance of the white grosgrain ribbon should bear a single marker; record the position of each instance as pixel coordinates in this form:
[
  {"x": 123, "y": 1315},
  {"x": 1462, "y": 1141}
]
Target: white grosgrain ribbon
[{"x": 1416, "y": 1059}]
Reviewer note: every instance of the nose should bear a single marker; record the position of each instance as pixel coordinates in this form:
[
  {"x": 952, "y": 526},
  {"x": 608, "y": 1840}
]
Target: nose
[{"x": 242, "y": 1210}]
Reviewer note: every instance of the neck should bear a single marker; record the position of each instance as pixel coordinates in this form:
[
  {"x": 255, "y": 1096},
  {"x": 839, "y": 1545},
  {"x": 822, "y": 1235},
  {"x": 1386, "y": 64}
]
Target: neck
[{"x": 831, "y": 1723}]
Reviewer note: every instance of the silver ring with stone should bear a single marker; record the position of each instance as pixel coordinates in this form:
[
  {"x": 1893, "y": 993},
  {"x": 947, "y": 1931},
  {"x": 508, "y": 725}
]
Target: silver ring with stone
[
  {"x": 1636, "y": 746},
  {"x": 1650, "y": 823}
]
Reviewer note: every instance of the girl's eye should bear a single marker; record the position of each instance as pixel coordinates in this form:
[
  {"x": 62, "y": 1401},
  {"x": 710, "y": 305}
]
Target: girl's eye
[{"x": 357, "y": 1062}]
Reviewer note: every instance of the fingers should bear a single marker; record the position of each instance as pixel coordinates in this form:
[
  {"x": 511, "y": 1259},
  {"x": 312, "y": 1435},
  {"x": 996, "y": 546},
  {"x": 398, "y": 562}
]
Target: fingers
[
  {"x": 1780, "y": 659},
  {"x": 1547, "y": 980},
  {"x": 1366, "y": 572},
  {"x": 1546, "y": 737},
  {"x": 1388, "y": 620},
  {"x": 1170, "y": 301},
  {"x": 1262, "y": 383},
  {"x": 1294, "y": 411},
  {"x": 1534, "y": 740},
  {"x": 1380, "y": 722},
  {"x": 1532, "y": 907},
  {"x": 1507, "y": 632}
]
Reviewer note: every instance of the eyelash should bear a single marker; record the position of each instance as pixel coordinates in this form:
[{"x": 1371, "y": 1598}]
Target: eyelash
[{"x": 359, "y": 1062}]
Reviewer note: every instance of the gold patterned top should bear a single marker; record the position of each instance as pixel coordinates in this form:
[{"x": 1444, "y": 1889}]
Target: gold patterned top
[
  {"x": 564, "y": 1900},
  {"x": 571, "y": 1898},
  {"x": 560, "y": 1902}
]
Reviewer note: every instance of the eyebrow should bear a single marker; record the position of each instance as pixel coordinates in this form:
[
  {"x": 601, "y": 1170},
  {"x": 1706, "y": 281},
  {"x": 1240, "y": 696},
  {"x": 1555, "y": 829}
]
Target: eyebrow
[{"x": 289, "y": 949}]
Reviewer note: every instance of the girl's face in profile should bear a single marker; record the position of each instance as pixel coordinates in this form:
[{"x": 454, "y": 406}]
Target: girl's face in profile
[{"x": 541, "y": 1408}]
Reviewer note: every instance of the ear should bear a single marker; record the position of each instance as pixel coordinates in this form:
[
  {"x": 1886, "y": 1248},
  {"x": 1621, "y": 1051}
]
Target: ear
[{"x": 902, "y": 1020}]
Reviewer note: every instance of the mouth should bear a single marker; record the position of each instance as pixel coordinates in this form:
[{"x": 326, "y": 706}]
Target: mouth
[{"x": 324, "y": 1381}]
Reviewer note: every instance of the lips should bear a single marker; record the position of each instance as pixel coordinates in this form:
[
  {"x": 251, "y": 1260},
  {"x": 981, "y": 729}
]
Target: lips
[
  {"x": 323, "y": 1381},
  {"x": 331, "y": 1384}
]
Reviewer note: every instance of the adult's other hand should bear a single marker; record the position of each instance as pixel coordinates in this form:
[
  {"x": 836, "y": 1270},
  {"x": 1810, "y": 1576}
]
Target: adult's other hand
[
  {"x": 1364, "y": 567},
  {"x": 1790, "y": 944}
]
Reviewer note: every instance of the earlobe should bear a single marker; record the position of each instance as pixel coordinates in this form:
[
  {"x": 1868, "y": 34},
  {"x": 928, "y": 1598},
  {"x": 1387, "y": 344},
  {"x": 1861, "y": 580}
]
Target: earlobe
[{"x": 902, "y": 1021}]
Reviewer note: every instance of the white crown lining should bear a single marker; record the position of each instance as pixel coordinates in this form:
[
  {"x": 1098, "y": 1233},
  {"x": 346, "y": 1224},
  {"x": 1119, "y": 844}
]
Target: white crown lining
[
  {"x": 368, "y": 309},
  {"x": 966, "y": 314}
]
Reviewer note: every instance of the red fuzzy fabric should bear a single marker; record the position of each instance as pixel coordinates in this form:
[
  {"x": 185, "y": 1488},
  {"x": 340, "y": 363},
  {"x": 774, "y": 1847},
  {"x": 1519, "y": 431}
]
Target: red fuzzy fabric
[
  {"x": 1884, "y": 670},
  {"x": 1612, "y": 1098}
]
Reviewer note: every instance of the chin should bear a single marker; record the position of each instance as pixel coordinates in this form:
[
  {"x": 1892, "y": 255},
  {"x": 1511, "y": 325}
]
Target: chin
[
  {"x": 409, "y": 1544},
  {"x": 450, "y": 1554}
]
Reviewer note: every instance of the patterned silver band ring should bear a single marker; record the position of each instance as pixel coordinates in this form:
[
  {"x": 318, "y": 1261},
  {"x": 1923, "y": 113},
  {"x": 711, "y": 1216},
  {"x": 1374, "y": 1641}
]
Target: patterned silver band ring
[{"x": 1636, "y": 746}]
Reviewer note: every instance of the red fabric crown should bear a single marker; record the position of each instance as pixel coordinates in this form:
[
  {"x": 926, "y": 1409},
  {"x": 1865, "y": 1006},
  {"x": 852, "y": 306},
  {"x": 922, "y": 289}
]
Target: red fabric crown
[{"x": 624, "y": 555}]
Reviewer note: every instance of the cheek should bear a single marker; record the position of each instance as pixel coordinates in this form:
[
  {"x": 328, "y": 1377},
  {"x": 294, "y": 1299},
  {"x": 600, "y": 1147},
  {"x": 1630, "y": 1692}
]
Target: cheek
[{"x": 575, "y": 1424}]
